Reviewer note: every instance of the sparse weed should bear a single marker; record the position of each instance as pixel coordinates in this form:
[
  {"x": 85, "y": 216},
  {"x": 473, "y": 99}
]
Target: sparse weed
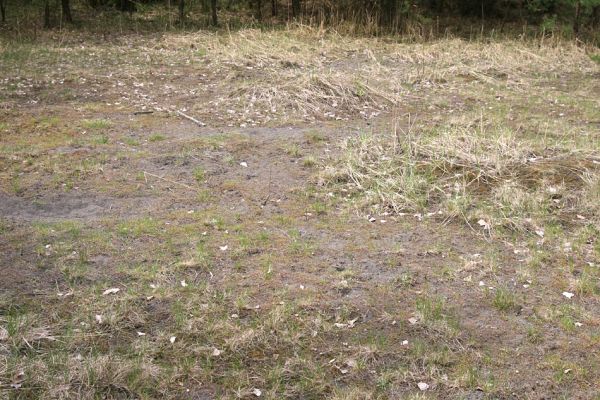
[
  {"x": 314, "y": 137},
  {"x": 15, "y": 185},
  {"x": 535, "y": 334},
  {"x": 293, "y": 150},
  {"x": 309, "y": 161},
  {"x": 156, "y": 137},
  {"x": 588, "y": 282},
  {"x": 299, "y": 245},
  {"x": 405, "y": 280},
  {"x": 504, "y": 300},
  {"x": 567, "y": 317},
  {"x": 131, "y": 141},
  {"x": 199, "y": 174},
  {"x": 267, "y": 267},
  {"x": 204, "y": 196},
  {"x": 319, "y": 207},
  {"x": 100, "y": 139},
  {"x": 430, "y": 309},
  {"x": 139, "y": 227},
  {"x": 96, "y": 124}
]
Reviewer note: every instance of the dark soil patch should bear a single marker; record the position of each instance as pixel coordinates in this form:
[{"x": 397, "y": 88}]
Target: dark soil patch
[{"x": 73, "y": 205}]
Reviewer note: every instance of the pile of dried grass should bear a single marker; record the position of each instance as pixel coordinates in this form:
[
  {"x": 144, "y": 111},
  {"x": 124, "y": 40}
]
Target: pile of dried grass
[{"x": 311, "y": 74}]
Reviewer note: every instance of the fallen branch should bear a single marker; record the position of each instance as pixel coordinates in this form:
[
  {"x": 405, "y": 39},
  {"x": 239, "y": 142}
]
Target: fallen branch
[
  {"x": 168, "y": 180},
  {"x": 194, "y": 120}
]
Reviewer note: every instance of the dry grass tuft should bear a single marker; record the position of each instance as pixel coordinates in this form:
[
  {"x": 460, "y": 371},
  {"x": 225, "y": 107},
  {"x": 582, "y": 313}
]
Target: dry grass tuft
[{"x": 480, "y": 175}]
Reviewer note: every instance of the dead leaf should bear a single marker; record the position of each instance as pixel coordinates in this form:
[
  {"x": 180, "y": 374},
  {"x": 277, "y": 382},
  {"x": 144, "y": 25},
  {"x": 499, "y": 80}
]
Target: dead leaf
[
  {"x": 111, "y": 291},
  {"x": 484, "y": 224},
  {"x": 257, "y": 392},
  {"x": 422, "y": 386},
  {"x": 540, "y": 233}
]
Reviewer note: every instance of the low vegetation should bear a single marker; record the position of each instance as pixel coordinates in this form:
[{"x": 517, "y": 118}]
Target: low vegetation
[{"x": 346, "y": 217}]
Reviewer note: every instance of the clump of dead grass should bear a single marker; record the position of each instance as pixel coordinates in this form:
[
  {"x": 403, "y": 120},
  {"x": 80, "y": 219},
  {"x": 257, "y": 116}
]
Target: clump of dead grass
[
  {"x": 485, "y": 176},
  {"x": 313, "y": 74}
]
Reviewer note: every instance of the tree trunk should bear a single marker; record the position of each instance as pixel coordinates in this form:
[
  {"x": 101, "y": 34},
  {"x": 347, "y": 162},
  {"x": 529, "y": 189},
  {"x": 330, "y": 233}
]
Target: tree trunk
[
  {"x": 3, "y": 11},
  {"x": 259, "y": 10},
  {"x": 66, "y": 11},
  {"x": 274, "y": 8},
  {"x": 181, "y": 10},
  {"x": 577, "y": 20},
  {"x": 388, "y": 11},
  {"x": 296, "y": 8},
  {"x": 47, "y": 14},
  {"x": 213, "y": 8},
  {"x": 596, "y": 16},
  {"x": 126, "y": 5}
]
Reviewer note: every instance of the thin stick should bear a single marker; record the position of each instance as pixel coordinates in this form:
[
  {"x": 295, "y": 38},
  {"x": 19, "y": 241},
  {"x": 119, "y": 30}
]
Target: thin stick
[
  {"x": 168, "y": 180},
  {"x": 142, "y": 112},
  {"x": 266, "y": 199},
  {"x": 194, "y": 120}
]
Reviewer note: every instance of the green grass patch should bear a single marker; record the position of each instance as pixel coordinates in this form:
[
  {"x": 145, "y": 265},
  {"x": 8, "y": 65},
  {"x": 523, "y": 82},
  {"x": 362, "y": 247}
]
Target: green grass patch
[
  {"x": 139, "y": 227},
  {"x": 504, "y": 300},
  {"x": 156, "y": 137},
  {"x": 199, "y": 174},
  {"x": 96, "y": 124}
]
